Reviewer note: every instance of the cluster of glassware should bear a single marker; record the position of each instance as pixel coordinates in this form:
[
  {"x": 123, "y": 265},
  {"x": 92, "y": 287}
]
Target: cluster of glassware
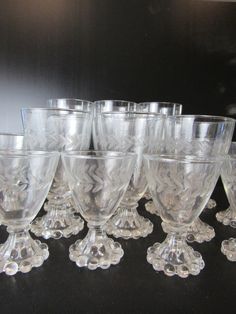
[{"x": 97, "y": 160}]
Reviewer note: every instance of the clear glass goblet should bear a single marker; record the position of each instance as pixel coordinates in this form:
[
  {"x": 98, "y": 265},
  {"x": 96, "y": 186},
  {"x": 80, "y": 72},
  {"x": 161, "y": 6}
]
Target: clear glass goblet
[
  {"x": 59, "y": 130},
  {"x": 74, "y": 104},
  {"x": 180, "y": 187},
  {"x": 168, "y": 109},
  {"x": 138, "y": 133},
  {"x": 228, "y": 175},
  {"x": 25, "y": 179},
  {"x": 200, "y": 136},
  {"x": 98, "y": 181}
]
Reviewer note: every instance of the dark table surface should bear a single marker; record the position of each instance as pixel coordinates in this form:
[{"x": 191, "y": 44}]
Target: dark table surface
[{"x": 59, "y": 286}]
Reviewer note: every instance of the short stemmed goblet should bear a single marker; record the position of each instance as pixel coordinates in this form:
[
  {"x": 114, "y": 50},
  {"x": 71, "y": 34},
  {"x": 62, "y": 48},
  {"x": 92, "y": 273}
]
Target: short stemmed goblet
[
  {"x": 228, "y": 175},
  {"x": 200, "y": 136},
  {"x": 138, "y": 133},
  {"x": 180, "y": 187},
  {"x": 98, "y": 181},
  {"x": 59, "y": 130},
  {"x": 168, "y": 109},
  {"x": 25, "y": 179}
]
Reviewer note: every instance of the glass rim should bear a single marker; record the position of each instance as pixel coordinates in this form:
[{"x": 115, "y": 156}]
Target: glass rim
[
  {"x": 134, "y": 114},
  {"x": 84, "y": 154},
  {"x": 115, "y": 100},
  {"x": 188, "y": 158},
  {"x": 189, "y": 116},
  {"x": 20, "y": 153},
  {"x": 74, "y": 99},
  {"x": 162, "y": 102},
  {"x": 12, "y": 134},
  {"x": 56, "y": 110}
]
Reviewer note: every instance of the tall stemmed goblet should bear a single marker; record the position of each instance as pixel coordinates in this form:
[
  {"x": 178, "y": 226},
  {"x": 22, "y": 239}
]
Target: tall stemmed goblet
[
  {"x": 180, "y": 187},
  {"x": 57, "y": 129},
  {"x": 200, "y": 136},
  {"x": 25, "y": 179},
  {"x": 168, "y": 109},
  {"x": 74, "y": 104},
  {"x": 228, "y": 175},
  {"x": 138, "y": 133},
  {"x": 11, "y": 141},
  {"x": 98, "y": 181}
]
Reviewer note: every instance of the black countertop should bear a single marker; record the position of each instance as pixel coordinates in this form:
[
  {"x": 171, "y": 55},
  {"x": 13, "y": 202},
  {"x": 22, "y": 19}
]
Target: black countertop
[{"x": 59, "y": 286}]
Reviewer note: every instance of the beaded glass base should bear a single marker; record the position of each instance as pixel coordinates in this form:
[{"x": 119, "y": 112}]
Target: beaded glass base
[
  {"x": 211, "y": 204},
  {"x": 200, "y": 232},
  {"x": 96, "y": 250},
  {"x": 228, "y": 248},
  {"x": 20, "y": 253},
  {"x": 57, "y": 223},
  {"x": 175, "y": 257},
  {"x": 151, "y": 208},
  {"x": 227, "y": 217},
  {"x": 128, "y": 224}
]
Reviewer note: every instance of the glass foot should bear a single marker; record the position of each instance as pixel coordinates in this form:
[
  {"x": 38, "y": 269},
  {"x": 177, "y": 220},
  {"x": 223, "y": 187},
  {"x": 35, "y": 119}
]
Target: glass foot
[
  {"x": 200, "y": 232},
  {"x": 175, "y": 257},
  {"x": 151, "y": 208},
  {"x": 20, "y": 253},
  {"x": 128, "y": 224},
  {"x": 227, "y": 217},
  {"x": 228, "y": 248},
  {"x": 96, "y": 250},
  {"x": 56, "y": 224},
  {"x": 211, "y": 204}
]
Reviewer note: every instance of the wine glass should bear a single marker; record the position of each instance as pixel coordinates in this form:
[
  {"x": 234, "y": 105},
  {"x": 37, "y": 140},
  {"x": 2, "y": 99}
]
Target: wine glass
[
  {"x": 168, "y": 109},
  {"x": 98, "y": 181},
  {"x": 57, "y": 129},
  {"x": 180, "y": 187},
  {"x": 201, "y": 136},
  {"x": 138, "y": 133},
  {"x": 228, "y": 175},
  {"x": 25, "y": 179}
]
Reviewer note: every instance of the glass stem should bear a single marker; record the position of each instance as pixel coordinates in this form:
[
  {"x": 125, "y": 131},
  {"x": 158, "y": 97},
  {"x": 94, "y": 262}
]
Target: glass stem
[{"x": 95, "y": 232}]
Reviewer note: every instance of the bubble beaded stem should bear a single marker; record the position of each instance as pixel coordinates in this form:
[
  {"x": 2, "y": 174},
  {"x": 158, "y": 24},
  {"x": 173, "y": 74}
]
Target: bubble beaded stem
[
  {"x": 98, "y": 181},
  {"x": 198, "y": 135},
  {"x": 25, "y": 179},
  {"x": 59, "y": 130},
  {"x": 138, "y": 133},
  {"x": 180, "y": 187}
]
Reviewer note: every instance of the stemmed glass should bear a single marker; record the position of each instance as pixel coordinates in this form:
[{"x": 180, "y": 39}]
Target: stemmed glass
[
  {"x": 168, "y": 109},
  {"x": 228, "y": 175},
  {"x": 138, "y": 133},
  {"x": 59, "y": 130},
  {"x": 200, "y": 136},
  {"x": 98, "y": 181},
  {"x": 180, "y": 187},
  {"x": 25, "y": 179}
]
